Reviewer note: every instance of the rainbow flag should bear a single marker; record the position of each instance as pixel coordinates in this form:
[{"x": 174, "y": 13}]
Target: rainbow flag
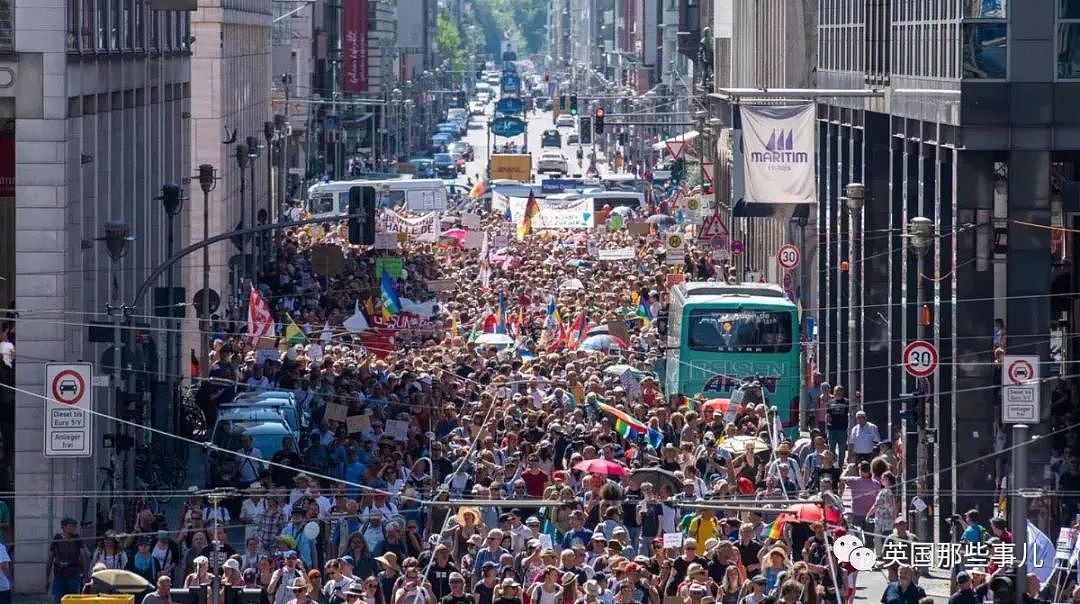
[
  {"x": 391, "y": 305},
  {"x": 644, "y": 313},
  {"x": 775, "y": 529},
  {"x": 477, "y": 190}
]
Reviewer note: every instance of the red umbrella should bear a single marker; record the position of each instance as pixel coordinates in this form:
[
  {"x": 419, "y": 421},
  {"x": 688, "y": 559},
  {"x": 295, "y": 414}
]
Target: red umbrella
[
  {"x": 812, "y": 512},
  {"x": 720, "y": 405},
  {"x": 601, "y": 466}
]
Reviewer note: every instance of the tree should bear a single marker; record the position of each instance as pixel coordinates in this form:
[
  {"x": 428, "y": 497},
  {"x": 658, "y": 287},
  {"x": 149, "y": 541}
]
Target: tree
[{"x": 448, "y": 41}]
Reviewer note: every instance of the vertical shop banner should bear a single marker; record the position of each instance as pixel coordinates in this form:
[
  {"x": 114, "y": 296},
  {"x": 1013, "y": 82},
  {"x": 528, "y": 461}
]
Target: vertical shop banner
[
  {"x": 779, "y": 154},
  {"x": 354, "y": 43}
]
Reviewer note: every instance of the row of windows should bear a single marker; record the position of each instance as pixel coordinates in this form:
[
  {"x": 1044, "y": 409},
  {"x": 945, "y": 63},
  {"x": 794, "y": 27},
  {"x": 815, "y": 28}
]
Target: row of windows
[
  {"x": 125, "y": 26},
  {"x": 840, "y": 48}
]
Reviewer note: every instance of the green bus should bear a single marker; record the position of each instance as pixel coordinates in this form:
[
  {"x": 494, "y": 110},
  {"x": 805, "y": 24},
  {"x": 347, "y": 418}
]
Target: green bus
[{"x": 722, "y": 335}]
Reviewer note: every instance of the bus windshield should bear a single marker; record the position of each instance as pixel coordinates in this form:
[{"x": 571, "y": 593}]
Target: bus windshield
[{"x": 725, "y": 330}]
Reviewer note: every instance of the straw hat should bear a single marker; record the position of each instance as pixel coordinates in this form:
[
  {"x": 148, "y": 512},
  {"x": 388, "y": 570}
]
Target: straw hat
[
  {"x": 389, "y": 560},
  {"x": 462, "y": 512}
]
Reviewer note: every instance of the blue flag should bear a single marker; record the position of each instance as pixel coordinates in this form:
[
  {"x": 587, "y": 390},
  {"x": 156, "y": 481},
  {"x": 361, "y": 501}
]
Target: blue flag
[
  {"x": 391, "y": 305},
  {"x": 500, "y": 318}
]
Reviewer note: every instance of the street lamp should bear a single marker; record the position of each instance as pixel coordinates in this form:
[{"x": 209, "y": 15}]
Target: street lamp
[
  {"x": 116, "y": 239},
  {"x": 254, "y": 149},
  {"x": 207, "y": 182},
  {"x": 172, "y": 200},
  {"x": 921, "y": 235},
  {"x": 283, "y": 130},
  {"x": 242, "y": 159}
]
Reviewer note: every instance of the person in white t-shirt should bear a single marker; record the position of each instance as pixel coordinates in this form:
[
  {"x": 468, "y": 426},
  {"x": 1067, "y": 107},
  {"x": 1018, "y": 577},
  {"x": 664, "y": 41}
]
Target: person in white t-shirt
[{"x": 5, "y": 576}]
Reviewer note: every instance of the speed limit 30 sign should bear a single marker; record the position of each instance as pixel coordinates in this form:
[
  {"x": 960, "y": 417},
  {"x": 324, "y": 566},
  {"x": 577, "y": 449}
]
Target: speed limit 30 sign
[
  {"x": 788, "y": 256},
  {"x": 920, "y": 359}
]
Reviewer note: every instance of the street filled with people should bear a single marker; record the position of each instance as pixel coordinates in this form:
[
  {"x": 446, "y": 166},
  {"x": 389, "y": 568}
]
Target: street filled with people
[{"x": 481, "y": 422}]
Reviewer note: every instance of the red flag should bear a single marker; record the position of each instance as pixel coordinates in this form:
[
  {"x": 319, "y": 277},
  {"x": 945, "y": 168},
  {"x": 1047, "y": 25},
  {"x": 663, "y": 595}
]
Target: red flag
[
  {"x": 260, "y": 321},
  {"x": 578, "y": 329}
]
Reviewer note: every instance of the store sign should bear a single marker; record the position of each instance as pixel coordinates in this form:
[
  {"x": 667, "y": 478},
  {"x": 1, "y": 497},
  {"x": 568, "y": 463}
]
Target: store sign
[{"x": 354, "y": 42}]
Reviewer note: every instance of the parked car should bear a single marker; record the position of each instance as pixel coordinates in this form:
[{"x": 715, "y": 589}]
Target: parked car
[
  {"x": 572, "y": 139},
  {"x": 465, "y": 149},
  {"x": 444, "y": 166},
  {"x": 564, "y": 121},
  {"x": 552, "y": 162},
  {"x": 425, "y": 168}
]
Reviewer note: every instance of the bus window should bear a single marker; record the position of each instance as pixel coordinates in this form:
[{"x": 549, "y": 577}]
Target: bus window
[
  {"x": 717, "y": 330},
  {"x": 323, "y": 203}
]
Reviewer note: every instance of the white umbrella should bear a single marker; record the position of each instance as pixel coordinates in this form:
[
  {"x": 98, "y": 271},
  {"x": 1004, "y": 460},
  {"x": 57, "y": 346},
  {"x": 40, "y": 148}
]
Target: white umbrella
[
  {"x": 571, "y": 285},
  {"x": 494, "y": 339}
]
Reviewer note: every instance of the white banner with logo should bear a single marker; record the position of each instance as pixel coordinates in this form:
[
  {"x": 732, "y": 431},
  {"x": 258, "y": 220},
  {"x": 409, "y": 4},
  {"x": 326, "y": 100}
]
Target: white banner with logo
[
  {"x": 779, "y": 153},
  {"x": 555, "y": 213},
  {"x": 422, "y": 228}
]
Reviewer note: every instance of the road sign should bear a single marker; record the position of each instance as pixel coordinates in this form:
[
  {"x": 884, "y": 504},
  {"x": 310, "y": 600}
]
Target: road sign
[
  {"x": 69, "y": 400},
  {"x": 713, "y": 226},
  {"x": 507, "y": 126},
  {"x": 674, "y": 242},
  {"x": 675, "y": 147},
  {"x": 788, "y": 256},
  {"x": 719, "y": 242},
  {"x": 1021, "y": 396},
  {"x": 920, "y": 359},
  {"x": 509, "y": 105},
  {"x": 737, "y": 247}
]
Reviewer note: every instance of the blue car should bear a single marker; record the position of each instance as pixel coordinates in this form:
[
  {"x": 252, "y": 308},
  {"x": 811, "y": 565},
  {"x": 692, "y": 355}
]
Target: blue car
[{"x": 445, "y": 166}]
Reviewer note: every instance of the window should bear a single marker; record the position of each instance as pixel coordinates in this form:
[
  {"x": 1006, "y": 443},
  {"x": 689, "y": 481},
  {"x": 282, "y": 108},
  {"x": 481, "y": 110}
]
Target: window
[
  {"x": 1068, "y": 39},
  {"x": 739, "y": 331},
  {"x": 985, "y": 39}
]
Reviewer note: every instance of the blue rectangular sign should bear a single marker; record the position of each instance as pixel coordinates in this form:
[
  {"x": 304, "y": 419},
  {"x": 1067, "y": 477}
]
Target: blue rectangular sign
[{"x": 558, "y": 185}]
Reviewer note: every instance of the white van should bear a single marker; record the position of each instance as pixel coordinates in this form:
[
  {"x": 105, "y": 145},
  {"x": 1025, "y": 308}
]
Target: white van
[{"x": 419, "y": 194}]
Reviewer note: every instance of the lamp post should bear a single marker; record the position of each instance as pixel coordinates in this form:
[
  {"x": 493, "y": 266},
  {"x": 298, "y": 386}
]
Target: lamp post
[
  {"x": 281, "y": 127},
  {"x": 395, "y": 95},
  {"x": 207, "y": 182},
  {"x": 270, "y": 134},
  {"x": 172, "y": 200},
  {"x": 854, "y": 197},
  {"x": 254, "y": 149},
  {"x": 921, "y": 234},
  {"x": 116, "y": 239},
  {"x": 242, "y": 158}
]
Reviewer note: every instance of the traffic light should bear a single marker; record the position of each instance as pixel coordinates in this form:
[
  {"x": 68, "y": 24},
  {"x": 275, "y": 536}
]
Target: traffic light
[
  {"x": 598, "y": 121},
  {"x": 623, "y": 138},
  {"x": 573, "y": 104},
  {"x": 678, "y": 171},
  {"x": 585, "y": 130},
  {"x": 362, "y": 215},
  {"x": 562, "y": 103}
]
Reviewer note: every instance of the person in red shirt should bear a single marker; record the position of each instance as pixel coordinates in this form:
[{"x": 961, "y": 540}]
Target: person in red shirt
[{"x": 536, "y": 480}]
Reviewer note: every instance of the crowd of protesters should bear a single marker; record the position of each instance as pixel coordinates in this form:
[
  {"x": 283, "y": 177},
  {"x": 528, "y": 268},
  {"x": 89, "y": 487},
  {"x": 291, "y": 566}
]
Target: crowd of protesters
[{"x": 734, "y": 509}]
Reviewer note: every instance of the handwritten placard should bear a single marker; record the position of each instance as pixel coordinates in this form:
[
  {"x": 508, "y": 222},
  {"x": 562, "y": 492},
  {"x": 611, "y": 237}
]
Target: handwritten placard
[
  {"x": 470, "y": 221},
  {"x": 336, "y": 412},
  {"x": 397, "y": 429},
  {"x": 358, "y": 423},
  {"x": 474, "y": 240},
  {"x": 673, "y": 540}
]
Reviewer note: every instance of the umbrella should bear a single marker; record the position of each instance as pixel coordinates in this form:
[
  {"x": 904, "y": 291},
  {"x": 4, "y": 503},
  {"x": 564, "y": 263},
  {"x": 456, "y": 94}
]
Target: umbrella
[
  {"x": 601, "y": 466},
  {"x": 659, "y": 219},
  {"x": 571, "y": 285},
  {"x": 458, "y": 234},
  {"x": 598, "y": 330},
  {"x": 657, "y": 477},
  {"x": 120, "y": 581},
  {"x": 812, "y": 512},
  {"x": 736, "y": 445},
  {"x": 621, "y": 210},
  {"x": 494, "y": 339},
  {"x": 601, "y": 343}
]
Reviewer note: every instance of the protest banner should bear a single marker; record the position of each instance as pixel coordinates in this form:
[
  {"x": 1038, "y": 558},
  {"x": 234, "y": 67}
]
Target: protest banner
[{"x": 421, "y": 228}]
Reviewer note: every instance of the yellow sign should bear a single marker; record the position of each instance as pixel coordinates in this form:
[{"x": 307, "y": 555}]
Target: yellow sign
[
  {"x": 91, "y": 599},
  {"x": 511, "y": 166},
  {"x": 692, "y": 203},
  {"x": 402, "y": 237},
  {"x": 675, "y": 242}
]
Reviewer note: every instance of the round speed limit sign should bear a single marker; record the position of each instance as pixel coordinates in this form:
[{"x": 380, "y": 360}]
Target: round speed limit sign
[
  {"x": 788, "y": 257},
  {"x": 920, "y": 359}
]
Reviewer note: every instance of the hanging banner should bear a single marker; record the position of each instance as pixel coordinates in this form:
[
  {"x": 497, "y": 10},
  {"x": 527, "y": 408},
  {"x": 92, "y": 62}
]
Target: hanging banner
[
  {"x": 354, "y": 46},
  {"x": 622, "y": 253},
  {"x": 555, "y": 213},
  {"x": 778, "y": 154},
  {"x": 423, "y": 228}
]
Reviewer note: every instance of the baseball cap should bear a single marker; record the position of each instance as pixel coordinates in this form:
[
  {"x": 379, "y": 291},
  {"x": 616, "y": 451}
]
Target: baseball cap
[
  {"x": 963, "y": 577},
  {"x": 292, "y": 554},
  {"x": 348, "y": 560}
]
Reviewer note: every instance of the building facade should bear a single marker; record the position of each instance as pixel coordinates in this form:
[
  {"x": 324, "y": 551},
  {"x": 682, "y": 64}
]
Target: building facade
[
  {"x": 231, "y": 102},
  {"x": 96, "y": 100}
]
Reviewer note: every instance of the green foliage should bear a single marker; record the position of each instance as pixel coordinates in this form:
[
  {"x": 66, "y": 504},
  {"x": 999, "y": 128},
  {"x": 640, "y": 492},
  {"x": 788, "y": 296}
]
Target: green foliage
[
  {"x": 525, "y": 20},
  {"x": 449, "y": 41}
]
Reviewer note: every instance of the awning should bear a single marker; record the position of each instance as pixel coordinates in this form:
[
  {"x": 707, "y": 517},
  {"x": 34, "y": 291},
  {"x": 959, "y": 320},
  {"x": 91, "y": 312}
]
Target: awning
[{"x": 686, "y": 137}]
